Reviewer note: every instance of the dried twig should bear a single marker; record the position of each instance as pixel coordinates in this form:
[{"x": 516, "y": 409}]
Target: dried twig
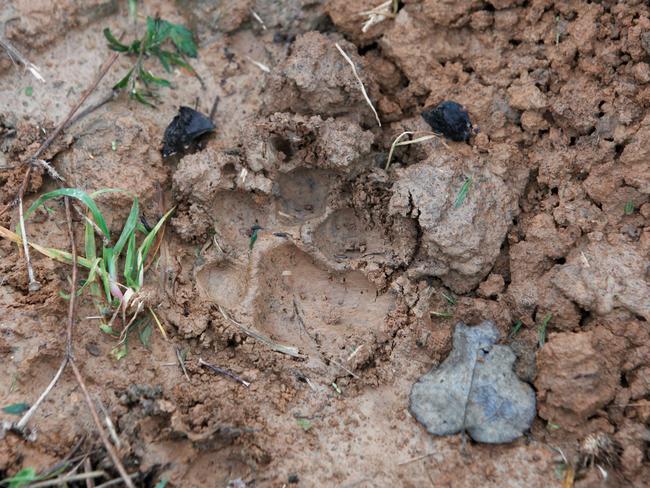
[
  {"x": 63, "y": 480},
  {"x": 224, "y": 372},
  {"x": 356, "y": 75},
  {"x": 261, "y": 66},
  {"x": 34, "y": 285},
  {"x": 90, "y": 483},
  {"x": 181, "y": 362},
  {"x": 22, "y": 423},
  {"x": 15, "y": 55},
  {"x": 258, "y": 18},
  {"x": 288, "y": 350}
]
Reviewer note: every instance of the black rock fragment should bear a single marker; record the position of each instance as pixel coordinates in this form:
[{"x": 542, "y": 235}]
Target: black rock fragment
[
  {"x": 184, "y": 129},
  {"x": 449, "y": 119}
]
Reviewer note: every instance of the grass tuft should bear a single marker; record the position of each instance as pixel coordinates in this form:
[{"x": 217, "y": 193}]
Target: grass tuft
[{"x": 115, "y": 272}]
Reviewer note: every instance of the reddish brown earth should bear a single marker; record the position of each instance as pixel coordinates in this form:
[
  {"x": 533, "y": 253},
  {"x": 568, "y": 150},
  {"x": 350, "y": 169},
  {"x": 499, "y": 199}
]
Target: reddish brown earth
[{"x": 560, "y": 91}]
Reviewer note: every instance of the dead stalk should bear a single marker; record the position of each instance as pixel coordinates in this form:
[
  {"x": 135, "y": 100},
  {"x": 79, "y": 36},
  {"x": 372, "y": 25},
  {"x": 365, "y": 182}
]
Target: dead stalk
[
  {"x": 288, "y": 350},
  {"x": 64, "y": 480},
  {"x": 15, "y": 55},
  {"x": 33, "y": 284},
  {"x": 224, "y": 372},
  {"x": 22, "y": 423},
  {"x": 356, "y": 75},
  {"x": 90, "y": 483}
]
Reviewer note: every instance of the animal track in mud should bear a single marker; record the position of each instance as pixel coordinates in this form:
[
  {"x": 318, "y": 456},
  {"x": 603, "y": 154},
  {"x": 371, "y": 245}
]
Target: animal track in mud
[
  {"x": 300, "y": 303},
  {"x": 297, "y": 290},
  {"x": 343, "y": 235},
  {"x": 302, "y": 193}
]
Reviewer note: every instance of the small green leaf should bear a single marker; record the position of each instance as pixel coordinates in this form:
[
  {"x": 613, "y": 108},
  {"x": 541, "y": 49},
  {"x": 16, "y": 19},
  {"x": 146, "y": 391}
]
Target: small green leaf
[
  {"x": 147, "y": 78},
  {"x": 460, "y": 198},
  {"x": 141, "y": 98},
  {"x": 16, "y": 408},
  {"x": 124, "y": 81},
  {"x": 29, "y": 90},
  {"x": 107, "y": 329},
  {"x": 162, "y": 483},
  {"x": 183, "y": 40},
  {"x": 22, "y": 478},
  {"x": 251, "y": 243},
  {"x": 305, "y": 424},
  {"x": 113, "y": 43},
  {"x": 629, "y": 207},
  {"x": 120, "y": 352},
  {"x": 337, "y": 389},
  {"x": 541, "y": 332},
  {"x": 114, "y": 144},
  {"x": 144, "y": 333}
]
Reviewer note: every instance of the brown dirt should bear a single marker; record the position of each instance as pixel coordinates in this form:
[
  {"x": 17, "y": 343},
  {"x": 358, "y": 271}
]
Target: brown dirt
[{"x": 351, "y": 259}]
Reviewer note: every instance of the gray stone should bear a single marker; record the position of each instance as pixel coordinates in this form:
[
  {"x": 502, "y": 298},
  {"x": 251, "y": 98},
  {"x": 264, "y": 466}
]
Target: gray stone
[{"x": 475, "y": 390}]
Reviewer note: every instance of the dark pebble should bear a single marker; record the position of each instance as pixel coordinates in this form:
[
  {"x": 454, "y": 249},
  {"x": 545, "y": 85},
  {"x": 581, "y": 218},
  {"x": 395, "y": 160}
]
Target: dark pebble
[
  {"x": 184, "y": 129},
  {"x": 293, "y": 478},
  {"x": 449, "y": 119}
]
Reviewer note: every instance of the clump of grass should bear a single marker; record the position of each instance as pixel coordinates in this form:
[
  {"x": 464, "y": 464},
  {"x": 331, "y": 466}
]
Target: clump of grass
[
  {"x": 139, "y": 81},
  {"x": 116, "y": 273}
]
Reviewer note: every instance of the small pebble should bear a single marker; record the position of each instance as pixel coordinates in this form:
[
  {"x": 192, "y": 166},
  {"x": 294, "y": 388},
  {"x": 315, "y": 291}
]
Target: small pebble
[{"x": 449, "y": 119}]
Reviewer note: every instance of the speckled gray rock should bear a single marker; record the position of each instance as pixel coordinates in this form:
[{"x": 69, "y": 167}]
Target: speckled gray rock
[{"x": 475, "y": 390}]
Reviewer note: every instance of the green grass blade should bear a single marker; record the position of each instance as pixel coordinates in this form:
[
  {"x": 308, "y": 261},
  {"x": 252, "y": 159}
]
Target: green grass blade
[
  {"x": 462, "y": 194},
  {"x": 77, "y": 194},
  {"x": 143, "y": 250},
  {"x": 89, "y": 242},
  {"x": 105, "y": 276},
  {"x": 128, "y": 229},
  {"x": 130, "y": 272}
]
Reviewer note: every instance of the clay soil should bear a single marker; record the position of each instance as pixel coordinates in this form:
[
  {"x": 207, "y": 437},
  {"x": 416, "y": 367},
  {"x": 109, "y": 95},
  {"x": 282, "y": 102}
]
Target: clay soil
[{"x": 364, "y": 270}]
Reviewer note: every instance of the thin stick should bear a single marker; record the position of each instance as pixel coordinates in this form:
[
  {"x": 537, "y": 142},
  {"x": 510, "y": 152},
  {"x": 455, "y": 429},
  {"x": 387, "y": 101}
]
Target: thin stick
[
  {"x": 288, "y": 350},
  {"x": 363, "y": 88},
  {"x": 224, "y": 372},
  {"x": 15, "y": 55},
  {"x": 34, "y": 285},
  {"x": 87, "y": 111},
  {"x": 102, "y": 72},
  {"x": 258, "y": 18},
  {"x": 213, "y": 110},
  {"x": 22, "y": 423},
  {"x": 88, "y": 467},
  {"x": 109, "y": 425},
  {"x": 116, "y": 481},
  {"x": 181, "y": 361},
  {"x": 66, "y": 479},
  {"x": 70, "y": 354},
  {"x": 419, "y": 458}
]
